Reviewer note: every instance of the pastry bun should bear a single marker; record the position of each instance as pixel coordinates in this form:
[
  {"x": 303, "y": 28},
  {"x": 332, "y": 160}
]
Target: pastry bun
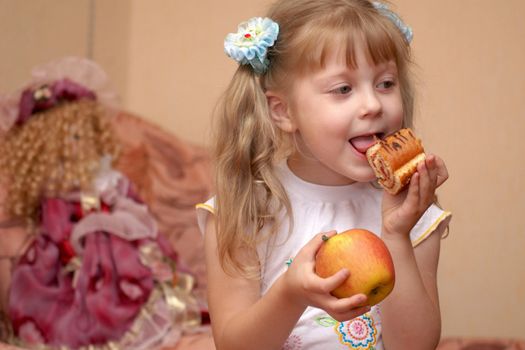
[{"x": 395, "y": 159}]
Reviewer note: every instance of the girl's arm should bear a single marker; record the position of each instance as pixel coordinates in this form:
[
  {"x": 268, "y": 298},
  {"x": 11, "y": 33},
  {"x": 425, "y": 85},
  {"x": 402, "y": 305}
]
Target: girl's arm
[
  {"x": 243, "y": 319},
  {"x": 411, "y": 315}
]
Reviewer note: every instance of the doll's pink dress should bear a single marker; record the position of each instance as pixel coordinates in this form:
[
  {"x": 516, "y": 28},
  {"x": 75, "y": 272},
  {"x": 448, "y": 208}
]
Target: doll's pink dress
[{"x": 97, "y": 273}]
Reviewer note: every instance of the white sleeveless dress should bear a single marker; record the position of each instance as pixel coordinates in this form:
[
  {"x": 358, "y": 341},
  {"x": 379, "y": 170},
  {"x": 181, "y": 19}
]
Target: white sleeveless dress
[{"x": 318, "y": 208}]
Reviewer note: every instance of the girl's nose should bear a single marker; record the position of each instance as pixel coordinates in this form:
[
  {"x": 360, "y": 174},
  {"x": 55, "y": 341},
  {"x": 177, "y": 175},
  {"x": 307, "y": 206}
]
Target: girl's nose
[{"x": 370, "y": 104}]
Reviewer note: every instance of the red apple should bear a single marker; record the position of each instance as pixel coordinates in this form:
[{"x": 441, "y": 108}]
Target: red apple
[{"x": 367, "y": 258}]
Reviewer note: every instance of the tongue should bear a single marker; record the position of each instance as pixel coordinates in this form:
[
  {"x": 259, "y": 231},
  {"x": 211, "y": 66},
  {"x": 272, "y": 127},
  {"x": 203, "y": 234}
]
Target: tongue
[{"x": 362, "y": 143}]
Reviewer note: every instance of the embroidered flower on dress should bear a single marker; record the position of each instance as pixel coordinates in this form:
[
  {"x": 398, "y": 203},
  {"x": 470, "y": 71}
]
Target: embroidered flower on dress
[
  {"x": 326, "y": 321},
  {"x": 358, "y": 333},
  {"x": 385, "y": 11},
  {"x": 251, "y": 42}
]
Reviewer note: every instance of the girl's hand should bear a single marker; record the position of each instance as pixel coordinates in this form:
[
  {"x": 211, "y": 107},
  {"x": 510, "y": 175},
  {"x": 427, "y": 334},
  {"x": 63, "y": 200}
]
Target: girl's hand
[
  {"x": 307, "y": 288},
  {"x": 402, "y": 211}
]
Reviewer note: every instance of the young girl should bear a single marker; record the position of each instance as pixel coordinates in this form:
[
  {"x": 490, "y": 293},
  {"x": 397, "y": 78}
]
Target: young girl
[{"x": 317, "y": 81}]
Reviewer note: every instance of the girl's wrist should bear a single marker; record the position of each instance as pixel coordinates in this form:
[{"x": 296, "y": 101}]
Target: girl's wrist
[
  {"x": 398, "y": 245},
  {"x": 397, "y": 226},
  {"x": 391, "y": 236},
  {"x": 286, "y": 293}
]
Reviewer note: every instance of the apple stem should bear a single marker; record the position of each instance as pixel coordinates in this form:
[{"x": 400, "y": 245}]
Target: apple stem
[{"x": 325, "y": 238}]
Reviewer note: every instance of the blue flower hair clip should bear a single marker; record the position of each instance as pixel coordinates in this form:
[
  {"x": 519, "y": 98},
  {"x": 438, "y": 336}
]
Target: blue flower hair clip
[
  {"x": 251, "y": 42},
  {"x": 385, "y": 11}
]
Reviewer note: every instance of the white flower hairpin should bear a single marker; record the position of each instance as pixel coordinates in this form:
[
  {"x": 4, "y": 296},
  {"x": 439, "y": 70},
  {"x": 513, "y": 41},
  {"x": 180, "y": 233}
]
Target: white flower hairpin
[{"x": 251, "y": 42}]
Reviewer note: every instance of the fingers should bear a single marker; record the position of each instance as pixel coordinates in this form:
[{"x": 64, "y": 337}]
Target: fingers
[
  {"x": 432, "y": 170},
  {"x": 305, "y": 259},
  {"x": 442, "y": 172},
  {"x": 352, "y": 302},
  {"x": 437, "y": 169},
  {"x": 350, "y": 314},
  {"x": 344, "y": 309},
  {"x": 316, "y": 242},
  {"x": 427, "y": 181},
  {"x": 330, "y": 283},
  {"x": 412, "y": 197},
  {"x": 347, "y": 308},
  {"x": 401, "y": 212},
  {"x": 422, "y": 186}
]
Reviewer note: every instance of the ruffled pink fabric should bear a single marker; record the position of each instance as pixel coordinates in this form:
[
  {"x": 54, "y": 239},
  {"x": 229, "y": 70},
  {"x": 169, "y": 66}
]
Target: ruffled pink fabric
[
  {"x": 128, "y": 220},
  {"x": 93, "y": 304},
  {"x": 77, "y": 69},
  {"x": 60, "y": 91}
]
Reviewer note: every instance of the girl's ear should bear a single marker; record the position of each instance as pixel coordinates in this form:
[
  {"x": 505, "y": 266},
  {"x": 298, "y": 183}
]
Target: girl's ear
[{"x": 278, "y": 109}]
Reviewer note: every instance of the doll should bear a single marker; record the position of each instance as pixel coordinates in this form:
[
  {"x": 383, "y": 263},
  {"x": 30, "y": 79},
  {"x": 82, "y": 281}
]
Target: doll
[{"x": 95, "y": 271}]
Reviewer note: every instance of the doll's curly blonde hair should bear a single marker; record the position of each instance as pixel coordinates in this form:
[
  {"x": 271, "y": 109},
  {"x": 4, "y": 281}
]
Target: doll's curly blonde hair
[{"x": 55, "y": 152}]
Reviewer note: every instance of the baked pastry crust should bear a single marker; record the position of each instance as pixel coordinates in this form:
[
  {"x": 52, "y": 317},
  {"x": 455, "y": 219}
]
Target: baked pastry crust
[{"x": 395, "y": 159}]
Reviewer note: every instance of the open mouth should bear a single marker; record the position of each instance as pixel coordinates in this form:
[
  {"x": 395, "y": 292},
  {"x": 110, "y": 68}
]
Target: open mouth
[{"x": 362, "y": 143}]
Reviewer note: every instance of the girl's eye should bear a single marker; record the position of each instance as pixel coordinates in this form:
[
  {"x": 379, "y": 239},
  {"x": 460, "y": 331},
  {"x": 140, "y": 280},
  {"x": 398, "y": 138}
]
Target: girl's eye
[
  {"x": 342, "y": 90},
  {"x": 387, "y": 84}
]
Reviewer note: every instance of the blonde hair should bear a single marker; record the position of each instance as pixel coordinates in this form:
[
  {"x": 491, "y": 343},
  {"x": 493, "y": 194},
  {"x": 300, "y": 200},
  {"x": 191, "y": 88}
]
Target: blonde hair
[
  {"x": 247, "y": 144},
  {"x": 55, "y": 152}
]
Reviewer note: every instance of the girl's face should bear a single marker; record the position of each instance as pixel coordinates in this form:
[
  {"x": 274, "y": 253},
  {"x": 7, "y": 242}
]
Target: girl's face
[{"x": 336, "y": 111}]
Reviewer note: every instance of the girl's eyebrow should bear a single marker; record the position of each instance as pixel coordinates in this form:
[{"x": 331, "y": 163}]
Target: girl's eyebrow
[
  {"x": 324, "y": 76},
  {"x": 344, "y": 72},
  {"x": 388, "y": 65}
]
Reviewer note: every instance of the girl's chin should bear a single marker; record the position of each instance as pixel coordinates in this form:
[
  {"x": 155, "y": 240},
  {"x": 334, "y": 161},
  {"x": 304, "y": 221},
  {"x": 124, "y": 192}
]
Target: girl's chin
[{"x": 362, "y": 173}]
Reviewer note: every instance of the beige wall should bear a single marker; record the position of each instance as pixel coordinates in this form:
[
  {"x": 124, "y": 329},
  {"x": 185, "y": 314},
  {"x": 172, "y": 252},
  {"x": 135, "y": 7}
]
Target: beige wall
[
  {"x": 471, "y": 55},
  {"x": 38, "y": 31},
  {"x": 30, "y": 32},
  {"x": 177, "y": 68},
  {"x": 166, "y": 60}
]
